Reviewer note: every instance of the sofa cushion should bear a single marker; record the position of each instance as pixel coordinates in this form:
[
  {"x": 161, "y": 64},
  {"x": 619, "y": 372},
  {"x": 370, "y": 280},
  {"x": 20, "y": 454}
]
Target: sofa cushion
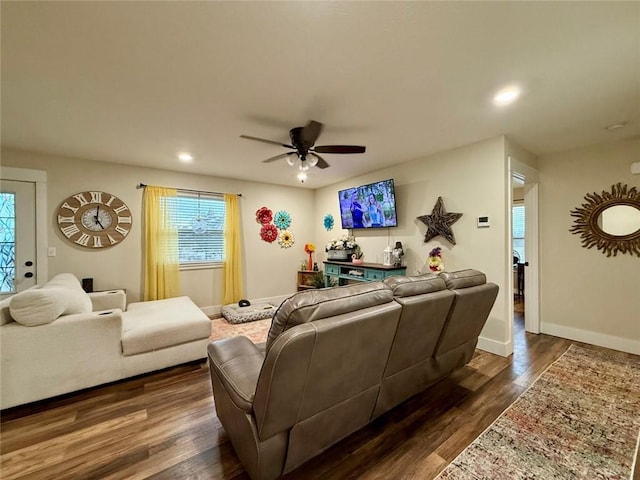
[
  {"x": 312, "y": 305},
  {"x": 416, "y": 285},
  {"x": 62, "y": 295},
  {"x": 149, "y": 326}
]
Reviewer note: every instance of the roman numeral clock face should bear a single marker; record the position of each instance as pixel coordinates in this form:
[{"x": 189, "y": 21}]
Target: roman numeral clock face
[{"x": 94, "y": 219}]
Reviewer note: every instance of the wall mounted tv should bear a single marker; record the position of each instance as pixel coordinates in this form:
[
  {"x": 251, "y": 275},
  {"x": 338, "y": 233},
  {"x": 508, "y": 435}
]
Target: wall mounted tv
[{"x": 369, "y": 206}]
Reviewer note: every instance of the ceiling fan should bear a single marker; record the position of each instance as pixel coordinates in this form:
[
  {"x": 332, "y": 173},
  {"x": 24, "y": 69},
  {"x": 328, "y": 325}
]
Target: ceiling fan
[{"x": 303, "y": 141}]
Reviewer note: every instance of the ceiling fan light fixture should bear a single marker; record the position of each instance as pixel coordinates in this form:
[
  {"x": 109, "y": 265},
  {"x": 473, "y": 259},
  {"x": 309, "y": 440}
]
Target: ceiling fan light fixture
[
  {"x": 304, "y": 165},
  {"x": 313, "y": 161},
  {"x": 290, "y": 161}
]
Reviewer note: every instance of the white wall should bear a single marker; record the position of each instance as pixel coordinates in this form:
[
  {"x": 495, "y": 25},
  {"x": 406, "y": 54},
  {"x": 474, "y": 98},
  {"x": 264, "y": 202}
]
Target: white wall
[
  {"x": 471, "y": 180},
  {"x": 585, "y": 295},
  {"x": 269, "y": 270}
]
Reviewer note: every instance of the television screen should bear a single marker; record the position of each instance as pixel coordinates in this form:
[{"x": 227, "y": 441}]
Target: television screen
[{"x": 369, "y": 206}]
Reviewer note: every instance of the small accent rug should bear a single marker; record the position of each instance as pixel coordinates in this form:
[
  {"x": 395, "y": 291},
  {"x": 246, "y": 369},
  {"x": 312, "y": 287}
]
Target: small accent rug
[
  {"x": 579, "y": 420},
  {"x": 256, "y": 331}
]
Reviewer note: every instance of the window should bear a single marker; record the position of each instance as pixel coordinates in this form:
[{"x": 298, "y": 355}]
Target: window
[
  {"x": 7, "y": 242},
  {"x": 518, "y": 218},
  {"x": 200, "y": 220}
]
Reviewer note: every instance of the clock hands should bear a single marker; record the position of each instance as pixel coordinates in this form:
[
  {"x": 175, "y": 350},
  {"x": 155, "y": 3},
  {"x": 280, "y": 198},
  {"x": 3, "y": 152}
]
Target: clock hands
[{"x": 96, "y": 218}]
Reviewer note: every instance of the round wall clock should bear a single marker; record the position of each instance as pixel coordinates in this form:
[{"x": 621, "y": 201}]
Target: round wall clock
[{"x": 94, "y": 219}]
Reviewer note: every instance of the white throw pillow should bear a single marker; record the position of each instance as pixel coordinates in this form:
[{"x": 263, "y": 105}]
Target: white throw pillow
[
  {"x": 37, "y": 307},
  {"x": 62, "y": 295}
]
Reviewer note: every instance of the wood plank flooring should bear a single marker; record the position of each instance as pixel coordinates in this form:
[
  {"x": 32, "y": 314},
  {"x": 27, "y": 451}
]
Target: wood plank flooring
[{"x": 163, "y": 426}]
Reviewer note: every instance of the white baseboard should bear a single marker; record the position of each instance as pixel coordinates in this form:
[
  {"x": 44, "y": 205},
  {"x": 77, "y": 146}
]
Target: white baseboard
[
  {"x": 214, "y": 310},
  {"x": 593, "y": 338},
  {"x": 504, "y": 349}
]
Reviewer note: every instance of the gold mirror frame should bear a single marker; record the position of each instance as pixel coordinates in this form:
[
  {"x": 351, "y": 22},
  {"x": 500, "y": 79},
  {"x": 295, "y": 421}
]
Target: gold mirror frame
[{"x": 586, "y": 221}]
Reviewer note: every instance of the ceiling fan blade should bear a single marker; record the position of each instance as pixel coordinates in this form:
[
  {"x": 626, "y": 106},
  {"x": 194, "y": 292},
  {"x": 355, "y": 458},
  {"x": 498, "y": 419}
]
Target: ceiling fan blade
[
  {"x": 310, "y": 133},
  {"x": 277, "y": 157},
  {"x": 322, "y": 163},
  {"x": 266, "y": 141},
  {"x": 339, "y": 149}
]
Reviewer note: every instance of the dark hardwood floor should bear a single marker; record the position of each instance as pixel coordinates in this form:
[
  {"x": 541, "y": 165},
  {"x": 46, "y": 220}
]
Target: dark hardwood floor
[{"x": 163, "y": 426}]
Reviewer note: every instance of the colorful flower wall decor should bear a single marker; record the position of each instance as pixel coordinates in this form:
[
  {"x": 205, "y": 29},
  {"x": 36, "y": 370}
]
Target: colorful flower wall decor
[
  {"x": 278, "y": 230},
  {"x": 269, "y": 233},
  {"x": 264, "y": 216},
  {"x": 328, "y": 222},
  {"x": 285, "y": 238},
  {"x": 282, "y": 220}
]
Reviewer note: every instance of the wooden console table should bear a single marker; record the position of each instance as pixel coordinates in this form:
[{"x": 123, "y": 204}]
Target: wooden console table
[{"x": 344, "y": 272}]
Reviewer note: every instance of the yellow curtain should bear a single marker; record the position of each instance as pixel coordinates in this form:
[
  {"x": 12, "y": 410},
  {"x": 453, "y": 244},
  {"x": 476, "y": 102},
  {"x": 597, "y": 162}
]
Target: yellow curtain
[
  {"x": 161, "y": 263},
  {"x": 233, "y": 288}
]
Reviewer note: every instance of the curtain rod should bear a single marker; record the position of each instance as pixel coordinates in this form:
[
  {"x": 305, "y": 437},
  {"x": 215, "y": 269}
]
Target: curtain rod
[{"x": 142, "y": 185}]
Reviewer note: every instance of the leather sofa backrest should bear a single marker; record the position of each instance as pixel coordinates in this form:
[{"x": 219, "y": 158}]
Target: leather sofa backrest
[
  {"x": 321, "y": 375},
  {"x": 474, "y": 298},
  {"x": 425, "y": 304},
  {"x": 312, "y": 305}
]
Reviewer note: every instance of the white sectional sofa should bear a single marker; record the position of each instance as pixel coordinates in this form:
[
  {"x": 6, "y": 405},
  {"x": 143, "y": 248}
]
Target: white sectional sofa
[{"x": 56, "y": 339}]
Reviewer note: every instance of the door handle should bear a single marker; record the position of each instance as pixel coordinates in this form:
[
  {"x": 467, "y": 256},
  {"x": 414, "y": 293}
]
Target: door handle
[
  {"x": 526, "y": 264},
  {"x": 28, "y": 263},
  {"x": 28, "y": 274}
]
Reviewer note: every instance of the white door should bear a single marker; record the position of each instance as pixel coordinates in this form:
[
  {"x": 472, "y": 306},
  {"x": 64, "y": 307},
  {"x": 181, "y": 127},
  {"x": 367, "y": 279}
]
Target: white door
[{"x": 17, "y": 236}]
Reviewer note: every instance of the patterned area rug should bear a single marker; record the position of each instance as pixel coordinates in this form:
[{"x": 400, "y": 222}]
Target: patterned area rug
[
  {"x": 579, "y": 420},
  {"x": 256, "y": 331}
]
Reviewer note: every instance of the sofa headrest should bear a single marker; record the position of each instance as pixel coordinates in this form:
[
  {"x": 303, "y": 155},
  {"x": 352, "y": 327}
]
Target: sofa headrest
[
  {"x": 312, "y": 305},
  {"x": 416, "y": 285},
  {"x": 463, "y": 278}
]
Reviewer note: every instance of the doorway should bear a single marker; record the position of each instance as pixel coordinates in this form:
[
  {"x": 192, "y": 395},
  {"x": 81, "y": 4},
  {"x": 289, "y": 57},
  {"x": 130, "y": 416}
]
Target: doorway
[
  {"x": 518, "y": 245},
  {"x": 523, "y": 232}
]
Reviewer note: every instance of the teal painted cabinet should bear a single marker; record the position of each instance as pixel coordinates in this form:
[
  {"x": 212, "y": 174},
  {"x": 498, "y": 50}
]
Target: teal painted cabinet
[{"x": 342, "y": 273}]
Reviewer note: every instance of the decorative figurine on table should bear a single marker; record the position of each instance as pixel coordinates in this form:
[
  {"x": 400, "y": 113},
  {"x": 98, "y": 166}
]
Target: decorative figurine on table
[
  {"x": 356, "y": 256},
  {"x": 397, "y": 254},
  {"x": 435, "y": 262}
]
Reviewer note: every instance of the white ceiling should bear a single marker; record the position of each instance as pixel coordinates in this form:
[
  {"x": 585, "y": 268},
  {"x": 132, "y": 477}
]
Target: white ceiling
[{"x": 137, "y": 82}]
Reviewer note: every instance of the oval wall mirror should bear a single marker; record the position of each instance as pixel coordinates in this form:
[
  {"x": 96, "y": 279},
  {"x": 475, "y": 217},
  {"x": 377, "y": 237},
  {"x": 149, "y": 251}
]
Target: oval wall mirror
[
  {"x": 619, "y": 220},
  {"x": 610, "y": 221}
]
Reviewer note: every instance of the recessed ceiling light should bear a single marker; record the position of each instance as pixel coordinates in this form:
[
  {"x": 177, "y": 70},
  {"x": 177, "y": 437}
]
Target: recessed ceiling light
[
  {"x": 506, "y": 96},
  {"x": 616, "y": 126},
  {"x": 185, "y": 157}
]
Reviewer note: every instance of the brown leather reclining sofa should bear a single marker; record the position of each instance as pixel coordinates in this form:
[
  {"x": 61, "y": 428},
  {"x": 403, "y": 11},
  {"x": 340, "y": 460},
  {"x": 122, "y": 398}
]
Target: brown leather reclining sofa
[{"x": 336, "y": 358}]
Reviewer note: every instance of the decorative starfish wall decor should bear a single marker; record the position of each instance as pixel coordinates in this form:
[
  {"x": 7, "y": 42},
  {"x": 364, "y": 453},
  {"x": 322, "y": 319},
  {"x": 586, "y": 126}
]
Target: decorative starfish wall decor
[{"x": 439, "y": 223}]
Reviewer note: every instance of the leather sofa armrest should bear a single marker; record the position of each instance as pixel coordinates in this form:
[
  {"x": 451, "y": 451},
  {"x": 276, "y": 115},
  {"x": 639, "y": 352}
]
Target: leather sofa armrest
[
  {"x": 108, "y": 300},
  {"x": 237, "y": 362}
]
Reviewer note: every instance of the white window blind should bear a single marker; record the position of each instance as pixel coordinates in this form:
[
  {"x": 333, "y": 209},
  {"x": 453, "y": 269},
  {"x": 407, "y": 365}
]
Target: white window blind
[
  {"x": 518, "y": 218},
  {"x": 200, "y": 220}
]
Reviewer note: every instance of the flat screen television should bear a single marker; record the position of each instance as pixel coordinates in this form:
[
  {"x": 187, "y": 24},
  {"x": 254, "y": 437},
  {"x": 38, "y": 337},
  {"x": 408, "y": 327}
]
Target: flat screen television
[{"x": 369, "y": 206}]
